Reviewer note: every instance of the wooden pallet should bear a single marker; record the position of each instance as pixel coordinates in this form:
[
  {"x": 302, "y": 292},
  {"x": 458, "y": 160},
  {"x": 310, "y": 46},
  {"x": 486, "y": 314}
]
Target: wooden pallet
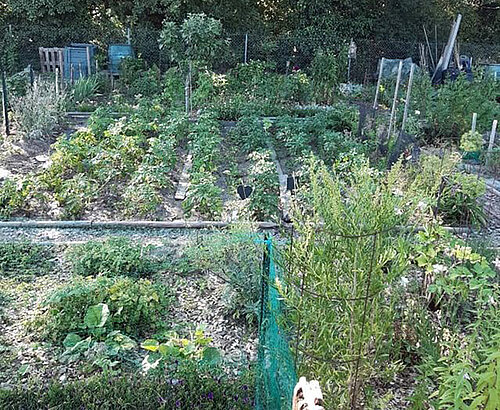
[{"x": 51, "y": 58}]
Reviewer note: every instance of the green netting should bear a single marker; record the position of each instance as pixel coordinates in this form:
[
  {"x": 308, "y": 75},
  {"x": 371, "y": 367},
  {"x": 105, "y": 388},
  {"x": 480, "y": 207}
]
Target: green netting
[{"x": 276, "y": 376}]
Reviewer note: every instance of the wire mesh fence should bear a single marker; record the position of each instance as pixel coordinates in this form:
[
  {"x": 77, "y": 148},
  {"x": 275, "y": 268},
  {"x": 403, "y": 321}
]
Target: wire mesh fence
[{"x": 19, "y": 48}]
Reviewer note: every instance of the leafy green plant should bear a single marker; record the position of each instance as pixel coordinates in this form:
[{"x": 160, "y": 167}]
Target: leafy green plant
[
  {"x": 112, "y": 257},
  {"x": 39, "y": 111},
  {"x": 99, "y": 347},
  {"x": 84, "y": 88},
  {"x": 235, "y": 256},
  {"x": 189, "y": 385},
  {"x": 326, "y": 74},
  {"x": 459, "y": 199},
  {"x": 25, "y": 258},
  {"x": 264, "y": 181},
  {"x": 175, "y": 347},
  {"x": 471, "y": 141},
  {"x": 346, "y": 268},
  {"x": 135, "y": 307},
  {"x": 203, "y": 195},
  {"x": 249, "y": 134}
]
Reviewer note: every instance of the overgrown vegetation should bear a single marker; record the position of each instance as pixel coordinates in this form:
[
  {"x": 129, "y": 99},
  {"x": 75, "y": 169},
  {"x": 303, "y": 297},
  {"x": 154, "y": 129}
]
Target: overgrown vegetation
[
  {"x": 24, "y": 258},
  {"x": 113, "y": 257},
  {"x": 133, "y": 307}
]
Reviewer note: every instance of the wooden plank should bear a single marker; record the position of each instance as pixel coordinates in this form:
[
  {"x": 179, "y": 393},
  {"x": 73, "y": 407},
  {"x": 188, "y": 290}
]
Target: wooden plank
[
  {"x": 180, "y": 224},
  {"x": 183, "y": 186}
]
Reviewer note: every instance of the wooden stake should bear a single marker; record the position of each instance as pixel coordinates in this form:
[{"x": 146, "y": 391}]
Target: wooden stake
[
  {"x": 395, "y": 100},
  {"x": 492, "y": 140},
  {"x": 57, "y": 80},
  {"x": 429, "y": 48},
  {"x": 408, "y": 96},
  {"x": 474, "y": 122},
  {"x": 378, "y": 83},
  {"x": 246, "y": 49},
  {"x": 89, "y": 68},
  {"x": 5, "y": 104}
]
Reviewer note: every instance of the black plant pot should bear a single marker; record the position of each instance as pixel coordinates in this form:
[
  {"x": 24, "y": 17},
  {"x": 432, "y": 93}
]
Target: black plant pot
[{"x": 244, "y": 191}]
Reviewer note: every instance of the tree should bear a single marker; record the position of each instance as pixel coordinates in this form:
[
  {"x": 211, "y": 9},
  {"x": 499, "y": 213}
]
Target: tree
[{"x": 192, "y": 45}]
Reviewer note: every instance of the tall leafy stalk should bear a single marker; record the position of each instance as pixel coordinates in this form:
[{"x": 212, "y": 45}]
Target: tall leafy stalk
[{"x": 346, "y": 254}]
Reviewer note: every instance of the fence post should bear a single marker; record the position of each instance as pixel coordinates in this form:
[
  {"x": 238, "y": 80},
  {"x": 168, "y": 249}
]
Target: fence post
[
  {"x": 5, "y": 104},
  {"x": 474, "y": 122},
  {"x": 492, "y": 140},
  {"x": 128, "y": 35},
  {"x": 408, "y": 96},
  {"x": 395, "y": 100},
  {"x": 378, "y": 83},
  {"x": 246, "y": 49}
]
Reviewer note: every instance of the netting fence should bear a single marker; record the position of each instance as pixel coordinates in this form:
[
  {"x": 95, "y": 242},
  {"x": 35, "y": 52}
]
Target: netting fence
[
  {"x": 20, "y": 48},
  {"x": 276, "y": 376}
]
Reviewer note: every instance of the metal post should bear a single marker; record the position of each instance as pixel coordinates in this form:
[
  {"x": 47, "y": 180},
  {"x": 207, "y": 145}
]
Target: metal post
[
  {"x": 395, "y": 100},
  {"x": 5, "y": 104},
  {"x": 128, "y": 35},
  {"x": 378, "y": 83},
  {"x": 246, "y": 49},
  {"x": 79, "y": 70},
  {"x": 492, "y": 140},
  {"x": 474, "y": 122},
  {"x": 408, "y": 96},
  {"x": 72, "y": 73}
]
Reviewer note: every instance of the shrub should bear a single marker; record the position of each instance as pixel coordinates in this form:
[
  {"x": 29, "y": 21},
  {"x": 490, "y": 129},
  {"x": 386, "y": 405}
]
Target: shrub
[
  {"x": 39, "y": 111},
  {"x": 235, "y": 256},
  {"x": 264, "y": 181},
  {"x": 112, "y": 257},
  {"x": 11, "y": 198},
  {"x": 471, "y": 141},
  {"x": 189, "y": 386},
  {"x": 326, "y": 74},
  {"x": 459, "y": 199},
  {"x": 342, "y": 264},
  {"x": 203, "y": 195},
  {"x": 135, "y": 306},
  {"x": 24, "y": 258}
]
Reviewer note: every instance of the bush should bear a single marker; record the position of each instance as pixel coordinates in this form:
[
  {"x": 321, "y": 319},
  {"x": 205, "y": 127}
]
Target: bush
[
  {"x": 136, "y": 306},
  {"x": 195, "y": 387},
  {"x": 459, "y": 200},
  {"x": 235, "y": 256},
  {"x": 39, "y": 111},
  {"x": 25, "y": 258},
  {"x": 264, "y": 181},
  {"x": 113, "y": 257},
  {"x": 326, "y": 74}
]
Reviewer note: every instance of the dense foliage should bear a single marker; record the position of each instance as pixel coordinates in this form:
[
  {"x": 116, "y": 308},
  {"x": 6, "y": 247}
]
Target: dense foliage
[
  {"x": 133, "y": 306},
  {"x": 195, "y": 387}
]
